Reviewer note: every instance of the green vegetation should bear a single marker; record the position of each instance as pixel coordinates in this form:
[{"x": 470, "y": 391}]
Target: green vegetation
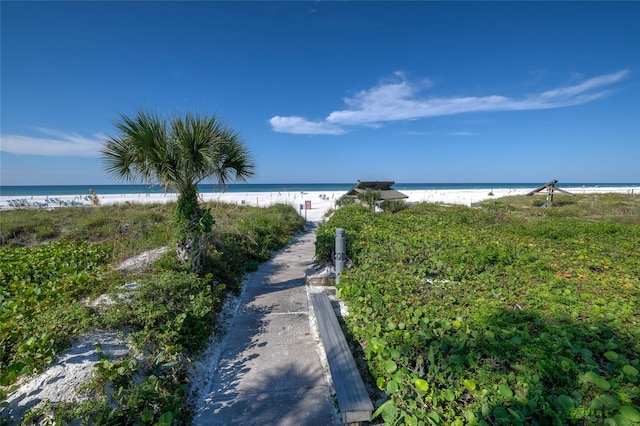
[
  {"x": 53, "y": 264},
  {"x": 369, "y": 198},
  {"x": 39, "y": 288},
  {"x": 178, "y": 153},
  {"x": 506, "y": 314},
  {"x": 621, "y": 208},
  {"x": 127, "y": 227}
]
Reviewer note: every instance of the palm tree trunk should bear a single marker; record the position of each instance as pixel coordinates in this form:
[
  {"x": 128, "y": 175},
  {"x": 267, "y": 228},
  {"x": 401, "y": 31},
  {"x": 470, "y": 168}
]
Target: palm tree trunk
[
  {"x": 189, "y": 229},
  {"x": 188, "y": 251},
  {"x": 188, "y": 246}
]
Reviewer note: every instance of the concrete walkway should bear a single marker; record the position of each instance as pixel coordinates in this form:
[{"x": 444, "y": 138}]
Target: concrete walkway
[{"x": 269, "y": 371}]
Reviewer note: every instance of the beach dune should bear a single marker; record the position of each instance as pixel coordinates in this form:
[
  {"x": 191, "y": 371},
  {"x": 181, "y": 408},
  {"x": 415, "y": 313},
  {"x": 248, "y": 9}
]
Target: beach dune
[{"x": 312, "y": 205}]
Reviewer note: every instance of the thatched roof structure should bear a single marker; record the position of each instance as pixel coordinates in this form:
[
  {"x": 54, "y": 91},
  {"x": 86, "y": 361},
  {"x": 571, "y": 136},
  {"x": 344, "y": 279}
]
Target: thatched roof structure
[{"x": 384, "y": 187}]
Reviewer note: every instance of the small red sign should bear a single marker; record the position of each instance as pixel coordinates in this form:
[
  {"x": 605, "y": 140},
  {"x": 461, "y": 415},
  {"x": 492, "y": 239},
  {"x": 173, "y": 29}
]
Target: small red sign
[{"x": 307, "y": 205}]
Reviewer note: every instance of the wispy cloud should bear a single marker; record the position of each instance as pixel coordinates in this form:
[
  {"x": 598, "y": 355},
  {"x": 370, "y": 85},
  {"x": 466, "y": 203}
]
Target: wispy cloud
[
  {"x": 53, "y": 143},
  {"x": 403, "y": 100},
  {"x": 302, "y": 126}
]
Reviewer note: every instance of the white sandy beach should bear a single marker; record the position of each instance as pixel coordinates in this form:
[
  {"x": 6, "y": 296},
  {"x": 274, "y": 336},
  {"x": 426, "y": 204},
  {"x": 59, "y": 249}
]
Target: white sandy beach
[{"x": 320, "y": 202}]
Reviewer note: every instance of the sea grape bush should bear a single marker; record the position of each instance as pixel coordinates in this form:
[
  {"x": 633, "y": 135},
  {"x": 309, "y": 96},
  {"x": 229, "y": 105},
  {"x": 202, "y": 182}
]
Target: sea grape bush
[
  {"x": 168, "y": 315},
  {"x": 39, "y": 290},
  {"x": 469, "y": 316},
  {"x": 352, "y": 218}
]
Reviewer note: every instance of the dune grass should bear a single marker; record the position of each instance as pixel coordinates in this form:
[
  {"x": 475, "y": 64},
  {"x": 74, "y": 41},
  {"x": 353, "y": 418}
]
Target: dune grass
[{"x": 53, "y": 264}]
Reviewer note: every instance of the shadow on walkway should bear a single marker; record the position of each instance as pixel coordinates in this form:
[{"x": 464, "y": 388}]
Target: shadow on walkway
[{"x": 269, "y": 371}]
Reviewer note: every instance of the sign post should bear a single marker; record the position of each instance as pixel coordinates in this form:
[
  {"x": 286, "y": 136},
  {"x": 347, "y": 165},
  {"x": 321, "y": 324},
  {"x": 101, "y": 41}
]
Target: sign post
[
  {"x": 341, "y": 255},
  {"x": 307, "y": 206}
]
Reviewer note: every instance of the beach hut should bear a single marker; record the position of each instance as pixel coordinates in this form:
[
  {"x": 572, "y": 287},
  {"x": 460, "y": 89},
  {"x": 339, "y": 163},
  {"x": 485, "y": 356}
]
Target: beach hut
[{"x": 383, "y": 187}]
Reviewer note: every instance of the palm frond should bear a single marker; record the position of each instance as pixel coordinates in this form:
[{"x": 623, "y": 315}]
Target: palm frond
[{"x": 177, "y": 153}]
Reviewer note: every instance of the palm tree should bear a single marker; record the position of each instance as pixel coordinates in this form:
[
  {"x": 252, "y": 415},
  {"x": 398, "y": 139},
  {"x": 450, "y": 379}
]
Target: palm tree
[{"x": 178, "y": 153}]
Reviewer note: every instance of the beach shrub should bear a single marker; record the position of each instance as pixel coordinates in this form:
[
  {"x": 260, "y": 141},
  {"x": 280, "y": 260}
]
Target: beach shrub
[
  {"x": 481, "y": 317},
  {"x": 352, "y": 218},
  {"x": 369, "y": 198},
  {"x": 621, "y": 208},
  {"x": 39, "y": 292},
  {"x": 235, "y": 247},
  {"x": 171, "y": 309},
  {"x": 393, "y": 206},
  {"x": 345, "y": 201},
  {"x": 167, "y": 312},
  {"x": 15, "y": 231}
]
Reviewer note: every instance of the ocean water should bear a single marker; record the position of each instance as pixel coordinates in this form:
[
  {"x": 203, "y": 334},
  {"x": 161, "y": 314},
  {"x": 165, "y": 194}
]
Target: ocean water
[{"x": 42, "y": 190}]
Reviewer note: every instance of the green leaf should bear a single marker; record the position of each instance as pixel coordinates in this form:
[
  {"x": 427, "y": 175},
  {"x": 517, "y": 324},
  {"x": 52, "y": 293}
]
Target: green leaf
[
  {"x": 388, "y": 411},
  {"x": 622, "y": 421},
  {"x": 469, "y": 384},
  {"x": 380, "y": 383},
  {"x": 590, "y": 377},
  {"x": 392, "y": 387},
  {"x": 586, "y": 353},
  {"x": 602, "y": 383},
  {"x": 390, "y": 366},
  {"x": 630, "y": 413},
  {"x": 470, "y": 416},
  {"x": 597, "y": 404},
  {"x": 421, "y": 385},
  {"x": 611, "y": 355},
  {"x": 486, "y": 411},
  {"x": 608, "y": 400},
  {"x": 434, "y": 416},
  {"x": 566, "y": 403},
  {"x": 501, "y": 414},
  {"x": 505, "y": 391},
  {"x": 630, "y": 370},
  {"x": 449, "y": 395}
]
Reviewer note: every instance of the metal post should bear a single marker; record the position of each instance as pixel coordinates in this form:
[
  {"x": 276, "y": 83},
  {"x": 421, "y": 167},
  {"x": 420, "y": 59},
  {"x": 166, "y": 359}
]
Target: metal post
[{"x": 341, "y": 255}]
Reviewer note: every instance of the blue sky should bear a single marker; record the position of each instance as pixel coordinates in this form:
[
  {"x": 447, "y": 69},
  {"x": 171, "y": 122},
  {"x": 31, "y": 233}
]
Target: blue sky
[{"x": 332, "y": 91}]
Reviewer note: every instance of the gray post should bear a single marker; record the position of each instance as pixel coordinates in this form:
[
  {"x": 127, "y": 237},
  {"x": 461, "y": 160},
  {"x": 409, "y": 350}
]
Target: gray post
[{"x": 341, "y": 255}]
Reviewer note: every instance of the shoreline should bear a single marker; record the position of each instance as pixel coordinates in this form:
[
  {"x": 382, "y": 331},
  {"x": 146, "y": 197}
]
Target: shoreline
[{"x": 320, "y": 201}]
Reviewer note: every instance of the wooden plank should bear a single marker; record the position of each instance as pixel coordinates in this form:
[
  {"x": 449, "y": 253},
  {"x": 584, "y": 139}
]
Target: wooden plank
[
  {"x": 546, "y": 185},
  {"x": 353, "y": 399}
]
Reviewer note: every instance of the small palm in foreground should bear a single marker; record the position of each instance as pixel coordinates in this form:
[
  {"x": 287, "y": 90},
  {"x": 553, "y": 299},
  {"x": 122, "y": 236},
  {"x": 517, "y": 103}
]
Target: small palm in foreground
[{"x": 178, "y": 154}]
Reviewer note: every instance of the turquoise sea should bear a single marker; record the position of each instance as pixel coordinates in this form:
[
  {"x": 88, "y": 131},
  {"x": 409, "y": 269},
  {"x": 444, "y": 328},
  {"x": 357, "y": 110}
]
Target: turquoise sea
[{"x": 28, "y": 191}]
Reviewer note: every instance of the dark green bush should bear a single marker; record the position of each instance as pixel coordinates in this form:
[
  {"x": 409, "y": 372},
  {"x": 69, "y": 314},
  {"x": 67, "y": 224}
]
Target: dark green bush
[
  {"x": 393, "y": 206},
  {"x": 481, "y": 317},
  {"x": 352, "y": 218}
]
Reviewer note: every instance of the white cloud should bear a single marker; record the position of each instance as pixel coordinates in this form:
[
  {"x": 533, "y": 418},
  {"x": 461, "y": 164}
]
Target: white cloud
[
  {"x": 576, "y": 91},
  {"x": 302, "y": 126},
  {"x": 53, "y": 144},
  {"x": 402, "y": 100}
]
